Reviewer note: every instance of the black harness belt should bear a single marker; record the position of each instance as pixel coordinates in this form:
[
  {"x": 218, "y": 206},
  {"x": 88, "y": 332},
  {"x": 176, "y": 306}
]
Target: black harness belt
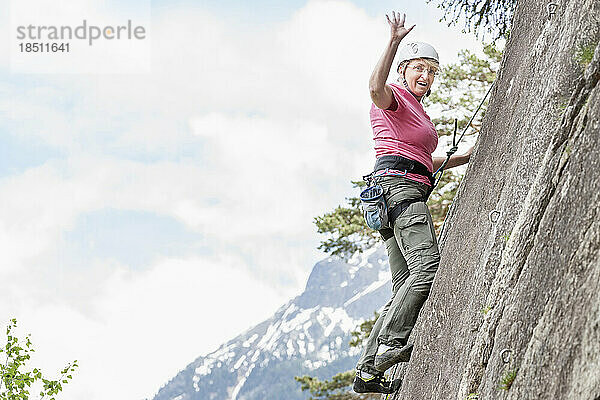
[
  {"x": 408, "y": 166},
  {"x": 403, "y": 164}
]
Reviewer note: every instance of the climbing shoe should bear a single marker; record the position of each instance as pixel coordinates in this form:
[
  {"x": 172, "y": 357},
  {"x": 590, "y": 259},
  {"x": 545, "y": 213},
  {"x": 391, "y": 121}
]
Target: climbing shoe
[
  {"x": 374, "y": 384},
  {"x": 392, "y": 356}
]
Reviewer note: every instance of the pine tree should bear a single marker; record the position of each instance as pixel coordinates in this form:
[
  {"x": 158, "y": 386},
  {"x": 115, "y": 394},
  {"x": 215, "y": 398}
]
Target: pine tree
[{"x": 337, "y": 387}]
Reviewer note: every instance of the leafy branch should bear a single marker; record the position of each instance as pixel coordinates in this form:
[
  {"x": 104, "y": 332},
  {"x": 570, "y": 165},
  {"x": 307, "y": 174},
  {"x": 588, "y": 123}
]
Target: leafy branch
[{"x": 15, "y": 380}]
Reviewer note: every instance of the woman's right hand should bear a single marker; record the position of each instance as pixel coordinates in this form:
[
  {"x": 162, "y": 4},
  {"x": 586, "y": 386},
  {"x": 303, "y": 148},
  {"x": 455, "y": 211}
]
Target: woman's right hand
[
  {"x": 397, "y": 29},
  {"x": 381, "y": 93}
]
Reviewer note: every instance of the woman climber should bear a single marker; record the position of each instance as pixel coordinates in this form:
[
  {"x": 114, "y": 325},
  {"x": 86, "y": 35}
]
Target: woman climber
[{"x": 405, "y": 139}]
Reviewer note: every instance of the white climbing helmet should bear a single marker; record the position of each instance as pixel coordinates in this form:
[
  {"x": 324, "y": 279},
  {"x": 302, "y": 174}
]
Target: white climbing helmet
[{"x": 417, "y": 50}]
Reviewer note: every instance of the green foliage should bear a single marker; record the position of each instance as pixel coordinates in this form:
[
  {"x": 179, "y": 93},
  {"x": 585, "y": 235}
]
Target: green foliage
[
  {"x": 346, "y": 229},
  {"x": 562, "y": 106},
  {"x": 460, "y": 88},
  {"x": 584, "y": 55},
  {"x": 335, "y": 389},
  {"x": 338, "y": 388},
  {"x": 480, "y": 16},
  {"x": 485, "y": 310},
  {"x": 508, "y": 379},
  {"x": 363, "y": 332},
  {"x": 15, "y": 382}
]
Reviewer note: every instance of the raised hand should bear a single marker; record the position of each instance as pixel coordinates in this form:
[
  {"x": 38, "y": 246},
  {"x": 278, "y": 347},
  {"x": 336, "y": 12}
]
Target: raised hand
[{"x": 397, "y": 29}]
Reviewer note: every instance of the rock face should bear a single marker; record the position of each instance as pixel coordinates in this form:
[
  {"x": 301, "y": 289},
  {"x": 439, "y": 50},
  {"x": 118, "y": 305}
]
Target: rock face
[{"x": 514, "y": 312}]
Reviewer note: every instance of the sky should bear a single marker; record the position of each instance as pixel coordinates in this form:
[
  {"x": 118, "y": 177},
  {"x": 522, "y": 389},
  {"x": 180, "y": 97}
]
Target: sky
[{"x": 149, "y": 214}]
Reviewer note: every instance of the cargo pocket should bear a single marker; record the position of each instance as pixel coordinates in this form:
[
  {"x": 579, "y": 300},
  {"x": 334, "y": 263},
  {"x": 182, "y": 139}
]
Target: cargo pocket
[{"x": 415, "y": 233}]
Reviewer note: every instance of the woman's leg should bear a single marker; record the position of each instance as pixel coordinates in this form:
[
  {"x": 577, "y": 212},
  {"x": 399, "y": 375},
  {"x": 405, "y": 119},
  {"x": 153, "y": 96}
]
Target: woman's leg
[
  {"x": 416, "y": 240},
  {"x": 399, "y": 271}
]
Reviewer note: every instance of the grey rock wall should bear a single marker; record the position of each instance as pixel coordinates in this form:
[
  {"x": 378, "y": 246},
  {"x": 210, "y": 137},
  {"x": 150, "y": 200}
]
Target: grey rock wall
[{"x": 517, "y": 295}]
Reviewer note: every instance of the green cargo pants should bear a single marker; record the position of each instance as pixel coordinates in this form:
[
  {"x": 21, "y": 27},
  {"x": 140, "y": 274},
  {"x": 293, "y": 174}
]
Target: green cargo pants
[{"x": 414, "y": 258}]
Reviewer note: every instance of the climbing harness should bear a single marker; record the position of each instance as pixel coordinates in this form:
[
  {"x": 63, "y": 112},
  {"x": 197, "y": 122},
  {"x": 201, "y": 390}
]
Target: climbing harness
[
  {"x": 400, "y": 163},
  {"x": 375, "y": 210}
]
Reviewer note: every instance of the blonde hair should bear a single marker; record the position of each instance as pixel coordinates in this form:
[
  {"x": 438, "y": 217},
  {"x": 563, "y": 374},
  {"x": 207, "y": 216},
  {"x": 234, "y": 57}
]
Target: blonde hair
[{"x": 429, "y": 62}]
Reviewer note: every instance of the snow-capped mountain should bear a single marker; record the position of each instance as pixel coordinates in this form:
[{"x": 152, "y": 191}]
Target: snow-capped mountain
[{"x": 308, "y": 335}]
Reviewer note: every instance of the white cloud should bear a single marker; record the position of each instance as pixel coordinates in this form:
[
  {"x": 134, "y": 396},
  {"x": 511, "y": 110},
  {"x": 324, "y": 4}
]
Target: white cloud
[
  {"x": 146, "y": 327},
  {"x": 40, "y": 205},
  {"x": 277, "y": 123}
]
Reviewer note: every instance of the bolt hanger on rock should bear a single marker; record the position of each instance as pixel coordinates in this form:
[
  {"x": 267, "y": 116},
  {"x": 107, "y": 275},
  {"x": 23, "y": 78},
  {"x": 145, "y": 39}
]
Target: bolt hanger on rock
[
  {"x": 505, "y": 355},
  {"x": 551, "y": 9}
]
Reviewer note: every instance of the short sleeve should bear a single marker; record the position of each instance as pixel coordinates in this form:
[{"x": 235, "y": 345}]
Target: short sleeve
[{"x": 400, "y": 100}]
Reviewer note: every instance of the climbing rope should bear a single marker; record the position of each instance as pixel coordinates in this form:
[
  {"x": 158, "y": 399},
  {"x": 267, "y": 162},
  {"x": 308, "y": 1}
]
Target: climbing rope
[{"x": 437, "y": 176}]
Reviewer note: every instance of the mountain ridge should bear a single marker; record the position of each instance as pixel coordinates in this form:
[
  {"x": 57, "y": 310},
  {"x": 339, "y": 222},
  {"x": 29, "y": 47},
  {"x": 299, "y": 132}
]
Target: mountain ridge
[{"x": 309, "y": 334}]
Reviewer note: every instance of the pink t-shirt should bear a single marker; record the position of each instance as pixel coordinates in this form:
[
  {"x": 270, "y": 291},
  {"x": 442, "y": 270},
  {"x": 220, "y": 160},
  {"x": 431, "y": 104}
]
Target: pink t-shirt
[{"x": 406, "y": 131}]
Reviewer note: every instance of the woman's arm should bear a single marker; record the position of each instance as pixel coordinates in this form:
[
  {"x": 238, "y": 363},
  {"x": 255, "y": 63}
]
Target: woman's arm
[
  {"x": 454, "y": 161},
  {"x": 381, "y": 94}
]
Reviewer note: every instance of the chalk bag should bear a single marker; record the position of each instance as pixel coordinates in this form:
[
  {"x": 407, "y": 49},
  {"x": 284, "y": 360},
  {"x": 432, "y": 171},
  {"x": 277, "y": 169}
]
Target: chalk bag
[{"x": 374, "y": 207}]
